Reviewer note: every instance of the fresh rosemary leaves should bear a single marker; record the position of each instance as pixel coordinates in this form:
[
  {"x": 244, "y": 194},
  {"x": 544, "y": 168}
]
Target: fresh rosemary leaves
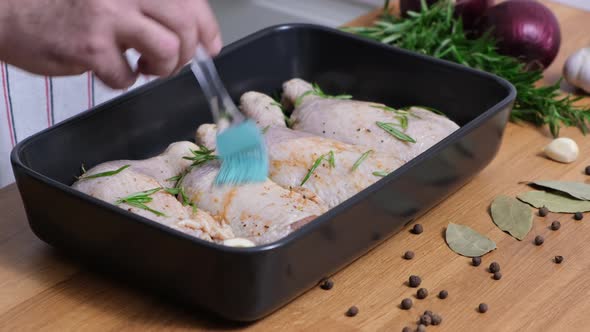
[
  {"x": 331, "y": 162},
  {"x": 317, "y": 91},
  {"x": 359, "y": 161},
  {"x": 201, "y": 156},
  {"x": 436, "y": 32},
  {"x": 103, "y": 174},
  {"x": 140, "y": 199},
  {"x": 391, "y": 129}
]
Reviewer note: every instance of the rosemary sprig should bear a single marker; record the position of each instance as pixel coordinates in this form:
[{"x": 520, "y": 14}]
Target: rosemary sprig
[
  {"x": 380, "y": 173},
  {"x": 201, "y": 156},
  {"x": 360, "y": 160},
  {"x": 317, "y": 91},
  {"x": 436, "y": 32},
  {"x": 140, "y": 199},
  {"x": 331, "y": 159},
  {"x": 175, "y": 178},
  {"x": 391, "y": 130},
  {"x": 103, "y": 174},
  {"x": 331, "y": 162}
]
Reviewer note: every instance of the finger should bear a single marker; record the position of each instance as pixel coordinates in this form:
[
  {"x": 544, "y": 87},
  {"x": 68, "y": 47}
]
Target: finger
[
  {"x": 112, "y": 69},
  {"x": 181, "y": 18},
  {"x": 158, "y": 46},
  {"x": 209, "y": 34}
]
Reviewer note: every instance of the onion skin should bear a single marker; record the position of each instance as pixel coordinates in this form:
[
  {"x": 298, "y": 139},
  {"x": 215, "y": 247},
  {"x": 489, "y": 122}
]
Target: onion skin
[
  {"x": 525, "y": 29},
  {"x": 469, "y": 10}
]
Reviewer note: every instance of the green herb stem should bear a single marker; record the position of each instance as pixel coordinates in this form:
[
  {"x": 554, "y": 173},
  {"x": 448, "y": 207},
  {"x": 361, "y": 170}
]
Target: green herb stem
[
  {"x": 390, "y": 129},
  {"x": 360, "y": 160},
  {"x": 103, "y": 174}
]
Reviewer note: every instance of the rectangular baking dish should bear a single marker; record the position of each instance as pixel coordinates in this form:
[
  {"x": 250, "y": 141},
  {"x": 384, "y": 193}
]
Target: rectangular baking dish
[{"x": 247, "y": 284}]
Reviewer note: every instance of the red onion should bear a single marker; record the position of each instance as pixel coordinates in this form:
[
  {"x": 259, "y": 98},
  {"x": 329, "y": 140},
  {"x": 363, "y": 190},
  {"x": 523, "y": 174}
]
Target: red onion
[
  {"x": 525, "y": 29},
  {"x": 469, "y": 10}
]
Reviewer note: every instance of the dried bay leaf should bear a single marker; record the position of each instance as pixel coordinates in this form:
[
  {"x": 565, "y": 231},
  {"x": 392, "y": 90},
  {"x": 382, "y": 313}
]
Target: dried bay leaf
[
  {"x": 467, "y": 242},
  {"x": 578, "y": 190},
  {"x": 512, "y": 216},
  {"x": 554, "y": 202}
]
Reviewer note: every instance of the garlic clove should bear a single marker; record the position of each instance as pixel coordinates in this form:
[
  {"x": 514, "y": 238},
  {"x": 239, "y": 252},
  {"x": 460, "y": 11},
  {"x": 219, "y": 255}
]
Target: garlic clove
[
  {"x": 562, "y": 149},
  {"x": 239, "y": 242},
  {"x": 576, "y": 70}
]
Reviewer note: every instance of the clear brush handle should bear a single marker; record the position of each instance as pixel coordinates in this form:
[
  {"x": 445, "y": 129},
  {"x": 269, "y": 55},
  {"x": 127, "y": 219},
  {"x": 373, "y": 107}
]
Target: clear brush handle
[{"x": 223, "y": 108}]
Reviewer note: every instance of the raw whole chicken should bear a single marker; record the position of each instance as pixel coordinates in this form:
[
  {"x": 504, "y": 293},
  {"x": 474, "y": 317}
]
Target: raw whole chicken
[
  {"x": 260, "y": 212},
  {"x": 144, "y": 179},
  {"x": 343, "y": 169},
  {"x": 363, "y": 123}
]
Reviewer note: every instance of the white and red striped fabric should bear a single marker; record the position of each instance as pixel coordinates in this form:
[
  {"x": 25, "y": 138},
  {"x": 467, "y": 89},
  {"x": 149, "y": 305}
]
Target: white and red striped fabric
[{"x": 30, "y": 103}]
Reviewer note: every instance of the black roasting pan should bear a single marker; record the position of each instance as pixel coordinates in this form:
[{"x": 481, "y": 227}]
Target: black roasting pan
[{"x": 247, "y": 284}]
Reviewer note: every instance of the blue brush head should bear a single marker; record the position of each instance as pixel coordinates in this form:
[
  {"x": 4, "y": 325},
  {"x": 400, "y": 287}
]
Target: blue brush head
[{"x": 243, "y": 155}]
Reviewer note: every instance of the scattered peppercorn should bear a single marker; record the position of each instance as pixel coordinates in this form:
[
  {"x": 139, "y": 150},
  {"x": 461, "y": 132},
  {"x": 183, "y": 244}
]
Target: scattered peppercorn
[
  {"x": 425, "y": 320},
  {"x": 494, "y": 267},
  {"x": 436, "y": 319},
  {"x": 352, "y": 311},
  {"x": 428, "y": 312},
  {"x": 407, "y": 329},
  {"x": 422, "y": 293},
  {"x": 555, "y": 225},
  {"x": 414, "y": 281},
  {"x": 587, "y": 170},
  {"x": 326, "y": 284},
  {"x": 476, "y": 261},
  {"x": 497, "y": 275},
  {"x": 482, "y": 308},
  {"x": 408, "y": 255},
  {"x": 578, "y": 216},
  {"x": 421, "y": 328},
  {"x": 406, "y": 304},
  {"x": 443, "y": 294},
  {"x": 417, "y": 229},
  {"x": 543, "y": 212},
  {"x": 539, "y": 240},
  {"x": 558, "y": 259}
]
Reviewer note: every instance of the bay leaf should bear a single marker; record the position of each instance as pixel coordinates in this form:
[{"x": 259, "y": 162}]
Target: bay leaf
[
  {"x": 467, "y": 242},
  {"x": 512, "y": 216},
  {"x": 554, "y": 202},
  {"x": 578, "y": 190}
]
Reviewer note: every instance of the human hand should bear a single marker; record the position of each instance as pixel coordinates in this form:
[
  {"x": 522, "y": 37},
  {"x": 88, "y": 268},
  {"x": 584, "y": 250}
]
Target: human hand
[{"x": 69, "y": 37}]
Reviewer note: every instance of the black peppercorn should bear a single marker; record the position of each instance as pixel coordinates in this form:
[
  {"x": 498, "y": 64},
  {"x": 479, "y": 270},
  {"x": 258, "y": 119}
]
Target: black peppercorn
[
  {"x": 326, "y": 284},
  {"x": 558, "y": 259},
  {"x": 443, "y": 294},
  {"x": 587, "y": 170},
  {"x": 428, "y": 313},
  {"x": 406, "y": 304},
  {"x": 425, "y": 320},
  {"x": 476, "y": 261},
  {"x": 422, "y": 293},
  {"x": 494, "y": 267},
  {"x": 436, "y": 319},
  {"x": 352, "y": 311},
  {"x": 417, "y": 229},
  {"x": 414, "y": 281},
  {"x": 555, "y": 225},
  {"x": 539, "y": 240},
  {"x": 578, "y": 216},
  {"x": 497, "y": 275},
  {"x": 482, "y": 308},
  {"x": 543, "y": 212},
  {"x": 408, "y": 255},
  {"x": 407, "y": 329}
]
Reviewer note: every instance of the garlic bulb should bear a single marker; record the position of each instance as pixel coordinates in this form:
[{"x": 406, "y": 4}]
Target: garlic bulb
[
  {"x": 577, "y": 69},
  {"x": 562, "y": 149}
]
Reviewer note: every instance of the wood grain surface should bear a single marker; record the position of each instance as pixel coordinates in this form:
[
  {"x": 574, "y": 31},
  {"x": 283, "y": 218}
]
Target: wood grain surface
[{"x": 42, "y": 290}]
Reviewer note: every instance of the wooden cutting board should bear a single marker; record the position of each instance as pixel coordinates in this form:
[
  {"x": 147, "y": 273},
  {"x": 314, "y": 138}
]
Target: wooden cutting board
[{"x": 39, "y": 289}]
